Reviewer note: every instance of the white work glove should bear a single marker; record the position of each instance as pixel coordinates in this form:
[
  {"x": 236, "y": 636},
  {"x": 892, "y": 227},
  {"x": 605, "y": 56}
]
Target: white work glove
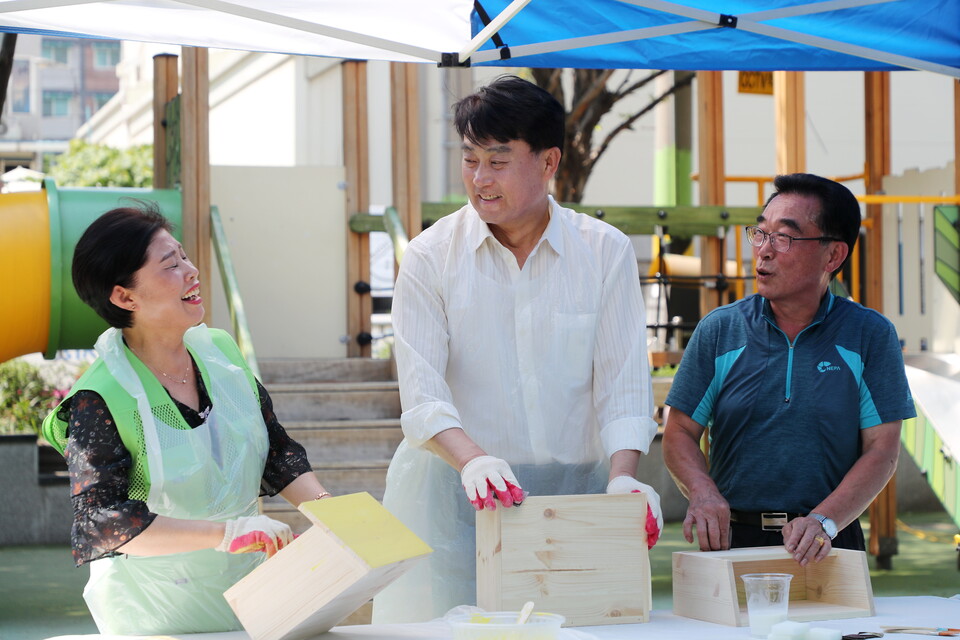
[
  {"x": 626, "y": 484},
  {"x": 485, "y": 478},
  {"x": 255, "y": 533}
]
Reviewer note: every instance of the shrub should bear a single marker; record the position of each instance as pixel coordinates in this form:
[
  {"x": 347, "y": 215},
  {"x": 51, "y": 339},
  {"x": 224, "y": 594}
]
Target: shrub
[{"x": 25, "y": 397}]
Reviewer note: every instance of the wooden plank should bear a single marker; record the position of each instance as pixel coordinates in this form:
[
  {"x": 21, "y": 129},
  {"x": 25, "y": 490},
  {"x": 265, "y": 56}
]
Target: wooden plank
[
  {"x": 584, "y": 557},
  {"x": 354, "y": 549},
  {"x": 165, "y": 87},
  {"x": 356, "y": 154},
  {"x": 835, "y": 581},
  {"x": 704, "y": 589},
  {"x": 683, "y": 221},
  {"x": 707, "y": 585},
  {"x": 490, "y": 560}
]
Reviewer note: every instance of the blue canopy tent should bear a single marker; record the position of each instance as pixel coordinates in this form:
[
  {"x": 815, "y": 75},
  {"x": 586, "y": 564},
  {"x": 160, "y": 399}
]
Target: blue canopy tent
[{"x": 788, "y": 35}]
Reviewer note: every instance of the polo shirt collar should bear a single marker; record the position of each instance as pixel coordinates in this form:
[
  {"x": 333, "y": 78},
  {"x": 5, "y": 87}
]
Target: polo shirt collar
[{"x": 826, "y": 304}]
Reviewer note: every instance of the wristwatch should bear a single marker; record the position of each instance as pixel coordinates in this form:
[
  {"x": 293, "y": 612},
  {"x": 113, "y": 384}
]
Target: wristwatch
[{"x": 829, "y": 526}]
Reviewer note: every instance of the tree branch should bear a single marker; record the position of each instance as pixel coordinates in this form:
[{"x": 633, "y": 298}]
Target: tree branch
[
  {"x": 628, "y": 123},
  {"x": 597, "y": 86},
  {"x": 639, "y": 84}
]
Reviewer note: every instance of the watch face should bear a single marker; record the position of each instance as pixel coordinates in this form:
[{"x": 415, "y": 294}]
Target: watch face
[{"x": 830, "y": 528}]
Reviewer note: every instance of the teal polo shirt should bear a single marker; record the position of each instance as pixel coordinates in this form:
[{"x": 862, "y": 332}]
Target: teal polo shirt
[{"x": 785, "y": 419}]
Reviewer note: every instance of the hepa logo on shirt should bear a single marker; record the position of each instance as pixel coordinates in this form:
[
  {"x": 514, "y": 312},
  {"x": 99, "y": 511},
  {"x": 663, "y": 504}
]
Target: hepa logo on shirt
[{"x": 826, "y": 366}]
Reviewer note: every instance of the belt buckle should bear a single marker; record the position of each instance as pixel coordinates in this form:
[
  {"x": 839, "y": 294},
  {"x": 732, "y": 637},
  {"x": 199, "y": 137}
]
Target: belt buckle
[{"x": 773, "y": 520}]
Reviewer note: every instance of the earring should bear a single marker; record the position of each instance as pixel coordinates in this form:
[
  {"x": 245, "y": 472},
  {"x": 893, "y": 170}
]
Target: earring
[{"x": 133, "y": 307}]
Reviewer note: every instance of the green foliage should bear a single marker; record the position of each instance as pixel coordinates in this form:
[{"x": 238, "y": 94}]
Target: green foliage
[
  {"x": 94, "y": 165},
  {"x": 25, "y": 397}
]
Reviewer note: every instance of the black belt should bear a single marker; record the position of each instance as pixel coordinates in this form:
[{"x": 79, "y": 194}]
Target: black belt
[{"x": 766, "y": 520}]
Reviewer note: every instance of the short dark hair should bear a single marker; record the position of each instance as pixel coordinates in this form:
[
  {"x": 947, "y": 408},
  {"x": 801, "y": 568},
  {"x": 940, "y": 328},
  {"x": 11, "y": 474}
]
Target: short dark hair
[
  {"x": 110, "y": 252},
  {"x": 510, "y": 108},
  {"x": 839, "y": 215}
]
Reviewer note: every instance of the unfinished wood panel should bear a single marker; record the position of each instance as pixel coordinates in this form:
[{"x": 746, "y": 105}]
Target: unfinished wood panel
[
  {"x": 354, "y": 549},
  {"x": 712, "y": 181},
  {"x": 166, "y": 84},
  {"x": 707, "y": 585},
  {"x": 195, "y": 161},
  {"x": 583, "y": 557},
  {"x": 356, "y": 156},
  {"x": 789, "y": 117}
]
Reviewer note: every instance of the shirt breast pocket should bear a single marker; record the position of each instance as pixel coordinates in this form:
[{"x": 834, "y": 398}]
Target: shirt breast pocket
[{"x": 572, "y": 345}]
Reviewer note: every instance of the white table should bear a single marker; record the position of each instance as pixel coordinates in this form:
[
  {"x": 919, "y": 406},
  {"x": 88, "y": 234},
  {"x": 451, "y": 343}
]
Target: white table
[{"x": 913, "y": 611}]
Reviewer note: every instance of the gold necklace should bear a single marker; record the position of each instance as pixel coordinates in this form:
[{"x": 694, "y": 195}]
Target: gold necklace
[{"x": 186, "y": 374}]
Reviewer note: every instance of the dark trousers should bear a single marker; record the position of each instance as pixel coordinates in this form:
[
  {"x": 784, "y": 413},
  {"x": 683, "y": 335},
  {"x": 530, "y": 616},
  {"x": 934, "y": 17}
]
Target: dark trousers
[{"x": 747, "y": 535}]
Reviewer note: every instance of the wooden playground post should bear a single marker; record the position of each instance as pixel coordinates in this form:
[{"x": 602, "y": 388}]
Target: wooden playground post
[
  {"x": 883, "y": 510},
  {"x": 791, "y": 140},
  {"x": 166, "y": 84},
  {"x": 712, "y": 177},
  {"x": 195, "y": 160},
  {"x": 405, "y": 116},
  {"x": 356, "y": 156}
]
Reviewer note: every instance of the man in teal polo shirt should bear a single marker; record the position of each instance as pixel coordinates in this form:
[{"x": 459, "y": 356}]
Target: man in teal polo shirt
[{"x": 803, "y": 392}]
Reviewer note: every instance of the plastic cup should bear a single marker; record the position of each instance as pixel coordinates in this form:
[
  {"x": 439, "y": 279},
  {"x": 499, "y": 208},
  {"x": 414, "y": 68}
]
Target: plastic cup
[{"x": 768, "y": 596}]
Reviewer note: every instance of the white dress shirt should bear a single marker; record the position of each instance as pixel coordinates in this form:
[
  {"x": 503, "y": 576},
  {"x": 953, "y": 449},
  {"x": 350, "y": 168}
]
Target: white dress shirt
[{"x": 542, "y": 364}]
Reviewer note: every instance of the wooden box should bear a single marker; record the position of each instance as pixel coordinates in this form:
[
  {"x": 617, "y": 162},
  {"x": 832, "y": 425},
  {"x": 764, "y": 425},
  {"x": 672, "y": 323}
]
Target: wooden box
[
  {"x": 583, "y": 557},
  {"x": 354, "y": 549},
  {"x": 707, "y": 584}
]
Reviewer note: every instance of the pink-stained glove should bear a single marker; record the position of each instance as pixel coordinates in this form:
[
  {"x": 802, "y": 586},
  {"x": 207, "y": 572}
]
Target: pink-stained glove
[
  {"x": 626, "y": 484},
  {"x": 487, "y": 479},
  {"x": 255, "y": 533}
]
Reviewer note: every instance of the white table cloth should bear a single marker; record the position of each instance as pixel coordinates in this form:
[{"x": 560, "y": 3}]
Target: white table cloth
[{"x": 912, "y": 611}]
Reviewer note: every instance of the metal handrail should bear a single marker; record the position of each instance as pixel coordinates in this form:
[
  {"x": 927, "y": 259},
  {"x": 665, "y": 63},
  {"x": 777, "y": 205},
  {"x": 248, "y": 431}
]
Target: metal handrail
[{"x": 231, "y": 289}]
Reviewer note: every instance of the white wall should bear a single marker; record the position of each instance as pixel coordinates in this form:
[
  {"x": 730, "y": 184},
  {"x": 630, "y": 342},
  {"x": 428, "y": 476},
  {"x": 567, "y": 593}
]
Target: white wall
[
  {"x": 286, "y": 228},
  {"x": 932, "y": 320},
  {"x": 253, "y": 112}
]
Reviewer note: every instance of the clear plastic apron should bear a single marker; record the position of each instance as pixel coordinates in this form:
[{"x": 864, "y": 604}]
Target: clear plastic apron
[
  {"x": 212, "y": 472},
  {"x": 425, "y": 493}
]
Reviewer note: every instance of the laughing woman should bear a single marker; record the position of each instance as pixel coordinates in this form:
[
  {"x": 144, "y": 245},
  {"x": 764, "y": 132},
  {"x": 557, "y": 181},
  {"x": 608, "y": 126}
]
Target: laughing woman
[{"x": 169, "y": 440}]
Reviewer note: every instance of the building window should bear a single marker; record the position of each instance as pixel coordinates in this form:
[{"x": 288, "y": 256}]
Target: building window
[
  {"x": 56, "y": 103},
  {"x": 106, "y": 54},
  {"x": 100, "y": 99},
  {"x": 55, "y": 50},
  {"x": 20, "y": 86}
]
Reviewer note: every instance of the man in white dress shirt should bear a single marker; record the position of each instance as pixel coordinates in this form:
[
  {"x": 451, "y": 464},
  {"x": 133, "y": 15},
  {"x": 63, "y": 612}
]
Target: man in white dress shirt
[{"x": 520, "y": 343}]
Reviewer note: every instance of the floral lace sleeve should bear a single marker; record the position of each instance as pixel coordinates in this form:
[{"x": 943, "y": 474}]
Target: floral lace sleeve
[
  {"x": 287, "y": 459},
  {"x": 99, "y": 464}
]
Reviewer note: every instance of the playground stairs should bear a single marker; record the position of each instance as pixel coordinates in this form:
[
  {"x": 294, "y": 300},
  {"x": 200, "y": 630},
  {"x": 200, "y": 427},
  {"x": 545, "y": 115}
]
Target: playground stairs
[{"x": 346, "y": 414}]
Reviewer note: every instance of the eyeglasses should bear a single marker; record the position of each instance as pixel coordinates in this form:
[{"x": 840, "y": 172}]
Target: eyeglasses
[{"x": 780, "y": 242}]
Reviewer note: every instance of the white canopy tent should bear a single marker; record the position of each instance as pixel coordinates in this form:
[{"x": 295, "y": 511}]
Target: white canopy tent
[{"x": 695, "y": 34}]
